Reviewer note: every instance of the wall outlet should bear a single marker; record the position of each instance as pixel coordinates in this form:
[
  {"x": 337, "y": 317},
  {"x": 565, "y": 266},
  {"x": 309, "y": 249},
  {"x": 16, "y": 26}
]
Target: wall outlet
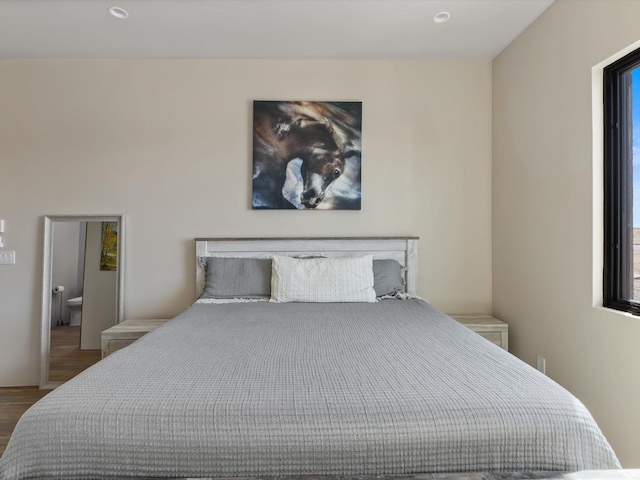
[
  {"x": 541, "y": 364},
  {"x": 7, "y": 257}
]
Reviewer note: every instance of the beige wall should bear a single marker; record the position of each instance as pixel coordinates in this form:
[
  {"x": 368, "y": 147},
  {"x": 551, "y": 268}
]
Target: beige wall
[
  {"x": 547, "y": 211},
  {"x": 168, "y": 144}
]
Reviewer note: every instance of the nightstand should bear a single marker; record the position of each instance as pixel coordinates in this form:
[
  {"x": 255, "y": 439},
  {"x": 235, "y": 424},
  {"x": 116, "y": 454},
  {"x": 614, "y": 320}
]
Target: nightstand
[
  {"x": 494, "y": 330},
  {"x": 127, "y": 332}
]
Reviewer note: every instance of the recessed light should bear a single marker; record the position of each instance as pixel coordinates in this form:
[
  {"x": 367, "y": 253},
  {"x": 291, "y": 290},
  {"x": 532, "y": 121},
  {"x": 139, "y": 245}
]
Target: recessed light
[
  {"x": 118, "y": 12},
  {"x": 441, "y": 17}
]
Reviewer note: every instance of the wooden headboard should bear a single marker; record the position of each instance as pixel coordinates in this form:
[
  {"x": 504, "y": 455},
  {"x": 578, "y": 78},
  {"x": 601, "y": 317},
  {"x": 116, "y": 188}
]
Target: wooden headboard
[{"x": 402, "y": 249}]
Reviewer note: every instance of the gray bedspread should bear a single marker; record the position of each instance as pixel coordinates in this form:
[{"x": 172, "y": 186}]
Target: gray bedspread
[{"x": 297, "y": 389}]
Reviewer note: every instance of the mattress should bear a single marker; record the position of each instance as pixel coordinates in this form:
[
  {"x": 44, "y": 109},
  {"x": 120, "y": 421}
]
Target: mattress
[{"x": 266, "y": 389}]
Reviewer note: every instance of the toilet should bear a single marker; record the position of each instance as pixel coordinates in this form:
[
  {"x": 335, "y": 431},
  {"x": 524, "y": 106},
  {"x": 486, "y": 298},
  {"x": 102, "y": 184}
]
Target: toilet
[{"x": 75, "y": 307}]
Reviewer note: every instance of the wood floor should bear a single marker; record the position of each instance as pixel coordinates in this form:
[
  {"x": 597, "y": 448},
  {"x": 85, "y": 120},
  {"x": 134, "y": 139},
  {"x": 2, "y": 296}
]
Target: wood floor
[
  {"x": 66, "y": 361},
  {"x": 14, "y": 401}
]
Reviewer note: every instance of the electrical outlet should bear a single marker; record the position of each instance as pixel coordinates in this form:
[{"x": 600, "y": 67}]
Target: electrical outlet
[
  {"x": 7, "y": 257},
  {"x": 541, "y": 364}
]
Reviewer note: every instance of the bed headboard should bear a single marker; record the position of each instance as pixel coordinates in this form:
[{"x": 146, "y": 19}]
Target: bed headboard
[{"x": 402, "y": 249}]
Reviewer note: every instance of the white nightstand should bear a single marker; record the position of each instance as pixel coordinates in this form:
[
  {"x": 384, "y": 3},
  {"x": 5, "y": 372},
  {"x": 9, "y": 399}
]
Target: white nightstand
[
  {"x": 127, "y": 332},
  {"x": 494, "y": 330}
]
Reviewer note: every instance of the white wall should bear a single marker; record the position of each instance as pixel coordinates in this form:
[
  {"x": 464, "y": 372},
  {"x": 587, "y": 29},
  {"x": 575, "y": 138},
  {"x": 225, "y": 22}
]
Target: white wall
[
  {"x": 65, "y": 259},
  {"x": 99, "y": 293},
  {"x": 547, "y": 211},
  {"x": 168, "y": 144},
  {"x": 81, "y": 249}
]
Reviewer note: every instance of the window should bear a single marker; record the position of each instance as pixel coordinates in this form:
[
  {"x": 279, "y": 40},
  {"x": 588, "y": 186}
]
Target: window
[{"x": 622, "y": 184}]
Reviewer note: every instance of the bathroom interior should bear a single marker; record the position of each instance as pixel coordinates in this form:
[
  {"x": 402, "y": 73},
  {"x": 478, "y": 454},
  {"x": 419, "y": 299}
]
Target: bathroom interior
[{"x": 83, "y": 295}]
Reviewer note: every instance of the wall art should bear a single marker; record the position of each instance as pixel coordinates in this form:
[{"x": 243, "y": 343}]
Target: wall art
[
  {"x": 109, "y": 246},
  {"x": 307, "y": 155}
]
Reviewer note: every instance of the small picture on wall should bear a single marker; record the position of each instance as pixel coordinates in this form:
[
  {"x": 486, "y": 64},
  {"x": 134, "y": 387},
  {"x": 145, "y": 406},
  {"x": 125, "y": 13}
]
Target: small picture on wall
[
  {"x": 307, "y": 155},
  {"x": 109, "y": 246}
]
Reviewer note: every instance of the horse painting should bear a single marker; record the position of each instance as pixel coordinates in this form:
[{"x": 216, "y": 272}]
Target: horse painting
[{"x": 306, "y": 155}]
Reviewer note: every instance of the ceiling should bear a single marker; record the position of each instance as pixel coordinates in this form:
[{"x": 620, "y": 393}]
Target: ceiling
[{"x": 262, "y": 29}]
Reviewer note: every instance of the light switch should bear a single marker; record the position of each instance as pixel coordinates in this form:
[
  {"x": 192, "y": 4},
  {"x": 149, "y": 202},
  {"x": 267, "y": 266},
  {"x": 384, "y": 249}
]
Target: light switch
[
  {"x": 1, "y": 226},
  {"x": 7, "y": 257},
  {"x": 1, "y": 243}
]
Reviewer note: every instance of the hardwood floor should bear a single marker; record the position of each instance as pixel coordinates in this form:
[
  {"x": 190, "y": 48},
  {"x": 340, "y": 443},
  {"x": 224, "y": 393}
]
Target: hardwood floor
[
  {"x": 66, "y": 361},
  {"x": 14, "y": 401}
]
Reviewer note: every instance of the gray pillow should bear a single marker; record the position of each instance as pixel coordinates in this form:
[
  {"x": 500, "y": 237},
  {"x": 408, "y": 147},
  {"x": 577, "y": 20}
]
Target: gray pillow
[
  {"x": 387, "y": 277},
  {"x": 228, "y": 277}
]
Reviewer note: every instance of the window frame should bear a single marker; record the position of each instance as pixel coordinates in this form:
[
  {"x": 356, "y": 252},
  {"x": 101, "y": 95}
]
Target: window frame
[{"x": 618, "y": 185}]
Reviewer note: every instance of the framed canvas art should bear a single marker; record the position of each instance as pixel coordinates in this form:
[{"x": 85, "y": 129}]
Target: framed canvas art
[
  {"x": 307, "y": 155},
  {"x": 109, "y": 246}
]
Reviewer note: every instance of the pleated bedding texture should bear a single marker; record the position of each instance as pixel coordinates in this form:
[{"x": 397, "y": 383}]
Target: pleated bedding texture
[{"x": 257, "y": 389}]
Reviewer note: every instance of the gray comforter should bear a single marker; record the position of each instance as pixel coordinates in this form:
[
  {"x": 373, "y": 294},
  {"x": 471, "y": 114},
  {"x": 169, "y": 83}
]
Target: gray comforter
[{"x": 296, "y": 389}]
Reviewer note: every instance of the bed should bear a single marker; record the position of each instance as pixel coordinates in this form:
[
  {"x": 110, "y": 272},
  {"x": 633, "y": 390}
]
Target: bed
[{"x": 257, "y": 388}]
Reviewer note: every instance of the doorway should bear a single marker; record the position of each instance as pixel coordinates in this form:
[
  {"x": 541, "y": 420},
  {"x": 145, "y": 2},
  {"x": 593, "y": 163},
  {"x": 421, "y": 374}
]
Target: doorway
[{"x": 83, "y": 272}]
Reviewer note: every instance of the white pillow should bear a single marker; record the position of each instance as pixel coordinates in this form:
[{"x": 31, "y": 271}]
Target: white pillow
[{"x": 333, "y": 279}]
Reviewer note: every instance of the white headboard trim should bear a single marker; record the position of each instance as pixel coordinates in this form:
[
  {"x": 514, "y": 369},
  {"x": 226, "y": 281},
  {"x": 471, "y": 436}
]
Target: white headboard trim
[{"x": 402, "y": 249}]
